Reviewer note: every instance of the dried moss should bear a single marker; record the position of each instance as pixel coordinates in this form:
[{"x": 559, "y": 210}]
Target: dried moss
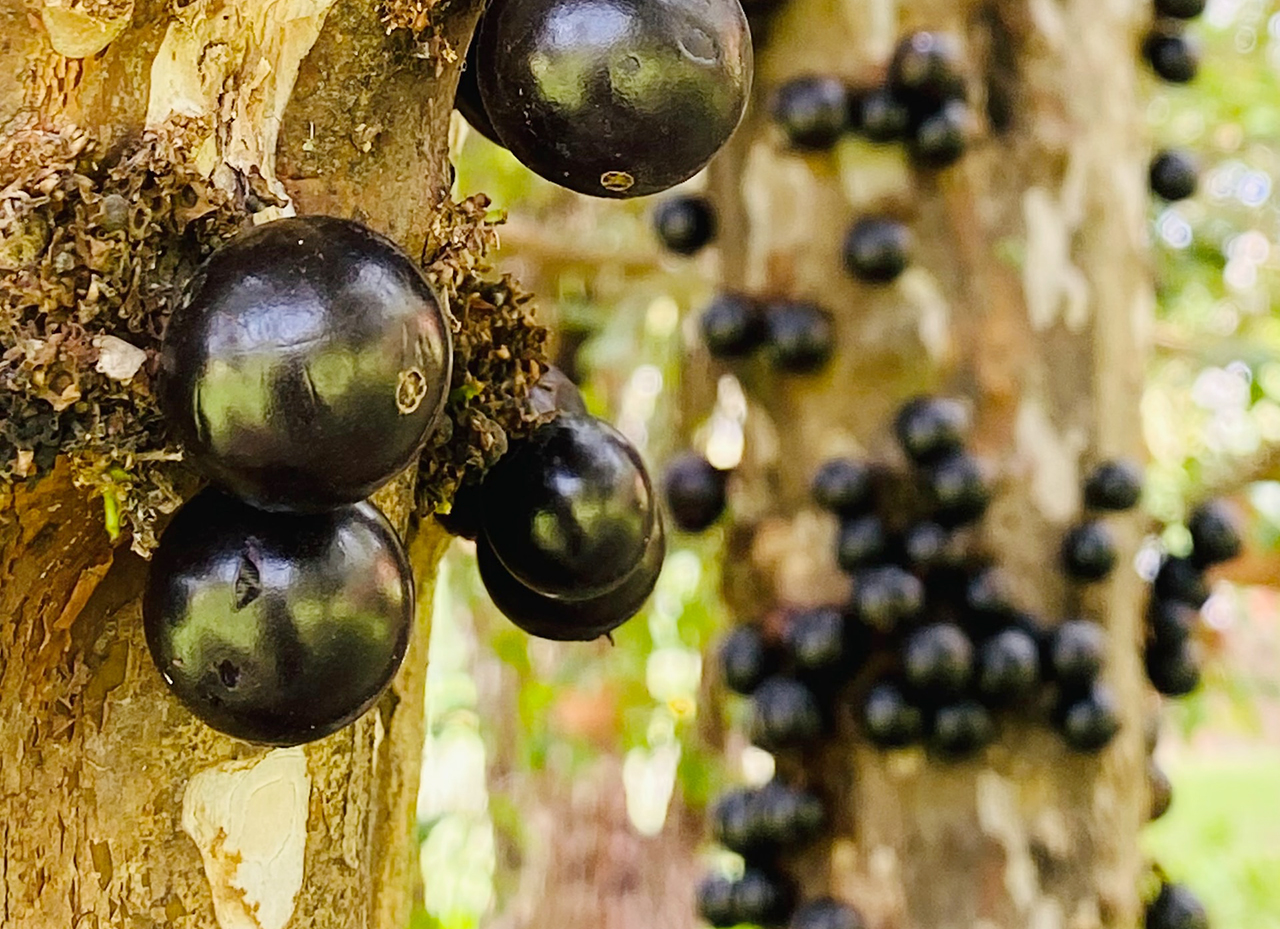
[
  {"x": 90, "y": 243},
  {"x": 499, "y": 354},
  {"x": 414, "y": 15}
]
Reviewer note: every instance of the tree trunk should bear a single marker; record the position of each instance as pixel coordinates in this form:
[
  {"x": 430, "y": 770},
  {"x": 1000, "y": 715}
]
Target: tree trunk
[
  {"x": 1030, "y": 295},
  {"x": 117, "y": 808}
]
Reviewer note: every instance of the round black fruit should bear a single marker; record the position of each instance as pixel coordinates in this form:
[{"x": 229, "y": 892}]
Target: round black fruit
[
  {"x": 877, "y": 250},
  {"x": 843, "y": 486},
  {"x": 1215, "y": 533},
  {"x": 960, "y": 729},
  {"x": 889, "y": 719},
  {"x": 937, "y": 660},
  {"x": 762, "y": 898},
  {"x": 811, "y": 111},
  {"x": 885, "y": 596},
  {"x": 826, "y": 913},
  {"x": 1089, "y": 722},
  {"x": 695, "y": 492},
  {"x": 789, "y": 818},
  {"x": 801, "y": 336},
  {"x": 1174, "y": 669},
  {"x": 958, "y": 489},
  {"x": 1077, "y": 651},
  {"x": 1179, "y": 9},
  {"x": 1180, "y": 579},
  {"x": 860, "y": 540},
  {"x": 467, "y": 100},
  {"x": 685, "y": 224},
  {"x": 1173, "y": 175},
  {"x": 615, "y": 98},
  {"x": 736, "y": 822},
  {"x": 1113, "y": 485},
  {"x": 882, "y": 117},
  {"x": 732, "y": 326},
  {"x": 275, "y": 627},
  {"x": 1176, "y": 907},
  {"x": 1008, "y": 666},
  {"x": 569, "y": 511},
  {"x": 1171, "y": 55},
  {"x": 928, "y": 545},
  {"x": 566, "y": 620},
  {"x": 785, "y": 713},
  {"x": 1171, "y": 622},
  {"x": 930, "y": 428},
  {"x": 1089, "y": 551},
  {"x": 815, "y": 639},
  {"x": 295, "y": 345},
  {"x": 745, "y": 660},
  {"x": 715, "y": 901},
  {"x": 925, "y": 70},
  {"x": 939, "y": 139}
]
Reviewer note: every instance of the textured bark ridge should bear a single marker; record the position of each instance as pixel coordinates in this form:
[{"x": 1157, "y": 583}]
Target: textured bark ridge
[
  {"x": 1029, "y": 295},
  {"x": 116, "y": 807}
]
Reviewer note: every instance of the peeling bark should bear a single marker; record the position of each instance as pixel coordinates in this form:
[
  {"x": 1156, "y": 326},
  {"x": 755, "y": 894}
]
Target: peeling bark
[{"x": 117, "y": 808}]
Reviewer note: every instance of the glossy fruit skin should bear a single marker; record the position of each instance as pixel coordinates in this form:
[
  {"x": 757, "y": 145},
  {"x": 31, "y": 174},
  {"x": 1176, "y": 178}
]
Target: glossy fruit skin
[
  {"x": 1008, "y": 666},
  {"x": 277, "y": 628},
  {"x": 1215, "y": 533},
  {"x": 937, "y": 660},
  {"x": 615, "y": 98},
  {"x": 736, "y": 823},
  {"x": 685, "y": 224},
  {"x": 889, "y": 719},
  {"x": 1179, "y": 9},
  {"x": 986, "y": 594},
  {"x": 1089, "y": 551},
  {"x": 811, "y": 111},
  {"x": 715, "y": 901},
  {"x": 296, "y": 343},
  {"x": 925, "y": 70},
  {"x": 1174, "y": 670},
  {"x": 1173, "y": 175},
  {"x": 785, "y": 714},
  {"x": 886, "y": 596},
  {"x": 815, "y": 639},
  {"x": 745, "y": 660},
  {"x": 939, "y": 140},
  {"x": 1171, "y": 622},
  {"x": 860, "y": 540},
  {"x": 801, "y": 336},
  {"x": 732, "y": 326},
  {"x": 962, "y": 728},
  {"x": 843, "y": 486},
  {"x": 882, "y": 117},
  {"x": 928, "y": 545},
  {"x": 1089, "y": 722},
  {"x": 579, "y": 620},
  {"x": 1176, "y": 907},
  {"x": 1077, "y": 651},
  {"x": 826, "y": 913},
  {"x": 789, "y": 818},
  {"x": 877, "y": 249},
  {"x": 694, "y": 491},
  {"x": 1160, "y": 789},
  {"x": 958, "y": 489},
  {"x": 931, "y": 428},
  {"x": 1180, "y": 579},
  {"x": 467, "y": 100},
  {"x": 1171, "y": 55},
  {"x": 1113, "y": 485},
  {"x": 762, "y": 898},
  {"x": 570, "y": 510}
]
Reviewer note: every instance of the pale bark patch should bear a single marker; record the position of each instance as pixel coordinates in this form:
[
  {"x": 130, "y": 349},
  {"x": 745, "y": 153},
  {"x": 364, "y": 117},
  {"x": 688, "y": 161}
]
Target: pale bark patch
[
  {"x": 77, "y": 33},
  {"x": 249, "y": 820},
  {"x": 1055, "y": 289},
  {"x": 1054, "y": 456},
  {"x": 118, "y": 359}
]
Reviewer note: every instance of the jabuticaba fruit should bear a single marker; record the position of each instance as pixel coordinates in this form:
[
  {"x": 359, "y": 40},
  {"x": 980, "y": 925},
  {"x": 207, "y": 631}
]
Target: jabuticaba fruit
[
  {"x": 732, "y": 326},
  {"x": 570, "y": 510},
  {"x": 685, "y": 224},
  {"x": 571, "y": 620},
  {"x": 1170, "y": 53},
  {"x": 467, "y": 99},
  {"x": 930, "y": 428},
  {"x": 1113, "y": 485},
  {"x": 785, "y": 714},
  {"x": 1173, "y": 174},
  {"x": 812, "y": 111},
  {"x": 801, "y": 336},
  {"x": 938, "y": 660},
  {"x": 889, "y": 719},
  {"x": 306, "y": 364},
  {"x": 277, "y": 628},
  {"x": 695, "y": 492},
  {"x": 1215, "y": 533},
  {"x": 1176, "y": 907},
  {"x": 745, "y": 659},
  {"x": 1089, "y": 551},
  {"x": 960, "y": 729},
  {"x": 925, "y": 71},
  {"x": 1089, "y": 722},
  {"x": 1076, "y": 653},
  {"x": 826, "y": 913},
  {"x": 615, "y": 98}
]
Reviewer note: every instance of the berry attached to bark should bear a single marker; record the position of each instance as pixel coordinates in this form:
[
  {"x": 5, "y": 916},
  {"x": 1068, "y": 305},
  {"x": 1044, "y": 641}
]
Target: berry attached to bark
[
  {"x": 931, "y": 428},
  {"x": 811, "y": 111},
  {"x": 925, "y": 70},
  {"x": 860, "y": 541},
  {"x": 277, "y": 628},
  {"x": 695, "y": 492},
  {"x": 826, "y": 913},
  {"x": 1179, "y": 9},
  {"x": 816, "y": 639},
  {"x": 1180, "y": 579},
  {"x": 685, "y": 224},
  {"x": 877, "y": 249},
  {"x": 296, "y": 343},
  {"x": 958, "y": 489},
  {"x": 1174, "y": 670},
  {"x": 962, "y": 728},
  {"x": 1171, "y": 55},
  {"x": 843, "y": 486},
  {"x": 937, "y": 660},
  {"x": 886, "y": 596},
  {"x": 801, "y": 336},
  {"x": 1089, "y": 551},
  {"x": 939, "y": 139},
  {"x": 1171, "y": 622},
  {"x": 732, "y": 326},
  {"x": 1008, "y": 666},
  {"x": 1215, "y": 533},
  {"x": 1077, "y": 652},
  {"x": 785, "y": 714},
  {"x": 745, "y": 659},
  {"x": 882, "y": 117},
  {"x": 1176, "y": 907},
  {"x": 1089, "y": 722},
  {"x": 1173, "y": 175},
  {"x": 889, "y": 719},
  {"x": 1113, "y": 485}
]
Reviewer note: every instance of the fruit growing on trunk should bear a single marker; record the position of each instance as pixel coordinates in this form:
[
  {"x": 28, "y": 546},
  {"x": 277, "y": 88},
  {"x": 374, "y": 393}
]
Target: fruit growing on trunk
[{"x": 277, "y": 628}]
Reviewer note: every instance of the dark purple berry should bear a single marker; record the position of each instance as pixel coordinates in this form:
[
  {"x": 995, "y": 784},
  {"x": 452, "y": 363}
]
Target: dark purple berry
[
  {"x": 685, "y": 224},
  {"x": 1089, "y": 551},
  {"x": 1171, "y": 622},
  {"x": 877, "y": 249},
  {"x": 937, "y": 660},
  {"x": 930, "y": 428},
  {"x": 1180, "y": 579},
  {"x": 1113, "y": 485},
  {"x": 1008, "y": 666},
  {"x": 785, "y": 714},
  {"x": 1171, "y": 55},
  {"x": 811, "y": 111},
  {"x": 1173, "y": 670},
  {"x": 1091, "y": 721},
  {"x": 843, "y": 486},
  {"x": 1215, "y": 533},
  {"x": 925, "y": 70},
  {"x": 889, "y": 719},
  {"x": 958, "y": 489},
  {"x": 927, "y": 545},
  {"x": 815, "y": 638},
  {"x": 1176, "y": 907},
  {"x": 939, "y": 139},
  {"x": 1077, "y": 652},
  {"x": 1173, "y": 175},
  {"x": 801, "y": 336},
  {"x": 715, "y": 901},
  {"x": 745, "y": 660},
  {"x": 789, "y": 818},
  {"x": 762, "y": 898},
  {"x": 886, "y": 596},
  {"x": 732, "y": 326},
  {"x": 860, "y": 541},
  {"x": 826, "y": 913},
  {"x": 1179, "y": 9},
  {"x": 882, "y": 117},
  {"x": 960, "y": 729},
  {"x": 694, "y": 491}
]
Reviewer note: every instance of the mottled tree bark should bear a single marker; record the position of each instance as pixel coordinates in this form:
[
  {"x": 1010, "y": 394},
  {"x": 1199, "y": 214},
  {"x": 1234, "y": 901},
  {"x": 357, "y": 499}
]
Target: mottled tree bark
[
  {"x": 117, "y": 808},
  {"x": 1030, "y": 295}
]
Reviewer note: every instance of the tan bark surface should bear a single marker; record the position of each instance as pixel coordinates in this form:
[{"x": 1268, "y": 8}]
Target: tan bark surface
[
  {"x": 1030, "y": 295},
  {"x": 117, "y": 808}
]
